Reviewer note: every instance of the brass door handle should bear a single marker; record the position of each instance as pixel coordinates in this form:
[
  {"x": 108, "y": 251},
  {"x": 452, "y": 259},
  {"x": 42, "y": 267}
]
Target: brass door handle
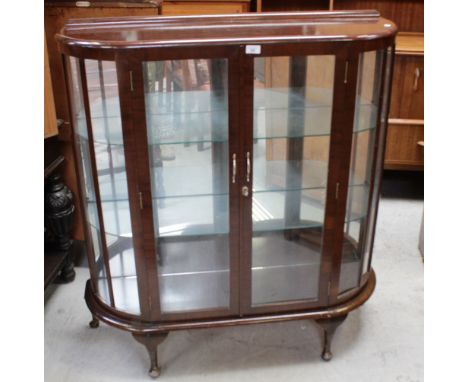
[
  {"x": 234, "y": 168},
  {"x": 248, "y": 166}
]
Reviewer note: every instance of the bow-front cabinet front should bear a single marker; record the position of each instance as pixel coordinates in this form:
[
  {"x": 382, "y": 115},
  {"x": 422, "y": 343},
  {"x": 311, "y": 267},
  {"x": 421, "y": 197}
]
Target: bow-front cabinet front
[{"x": 229, "y": 166}]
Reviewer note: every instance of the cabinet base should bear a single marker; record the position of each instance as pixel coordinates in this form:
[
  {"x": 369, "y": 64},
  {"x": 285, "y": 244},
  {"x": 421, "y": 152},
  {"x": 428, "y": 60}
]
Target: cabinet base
[{"x": 151, "y": 334}]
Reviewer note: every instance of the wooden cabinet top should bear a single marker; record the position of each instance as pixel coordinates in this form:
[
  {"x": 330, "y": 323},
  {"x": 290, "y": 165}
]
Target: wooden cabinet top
[{"x": 264, "y": 28}]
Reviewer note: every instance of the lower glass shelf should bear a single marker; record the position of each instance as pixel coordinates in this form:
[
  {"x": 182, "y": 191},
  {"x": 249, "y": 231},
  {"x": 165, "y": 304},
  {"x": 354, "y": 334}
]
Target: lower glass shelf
[
  {"x": 277, "y": 261},
  {"x": 193, "y": 276},
  {"x": 192, "y": 291},
  {"x": 125, "y": 291},
  {"x": 193, "y": 272}
]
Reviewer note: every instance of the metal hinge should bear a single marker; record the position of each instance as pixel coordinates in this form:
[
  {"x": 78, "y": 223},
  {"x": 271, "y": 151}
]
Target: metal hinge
[
  {"x": 346, "y": 72},
  {"x": 140, "y": 195},
  {"x": 131, "y": 80}
]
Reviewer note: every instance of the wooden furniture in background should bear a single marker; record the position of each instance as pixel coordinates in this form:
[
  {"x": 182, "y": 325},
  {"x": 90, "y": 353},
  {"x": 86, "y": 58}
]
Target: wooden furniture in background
[
  {"x": 59, "y": 249},
  {"x": 204, "y": 7},
  {"x": 406, "y": 118},
  {"x": 56, "y": 13},
  {"x": 50, "y": 118},
  {"x": 406, "y": 123},
  {"x": 189, "y": 224}
]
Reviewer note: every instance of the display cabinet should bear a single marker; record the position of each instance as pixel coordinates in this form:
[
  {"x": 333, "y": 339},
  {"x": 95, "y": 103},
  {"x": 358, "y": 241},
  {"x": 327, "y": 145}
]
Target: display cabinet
[{"x": 219, "y": 190}]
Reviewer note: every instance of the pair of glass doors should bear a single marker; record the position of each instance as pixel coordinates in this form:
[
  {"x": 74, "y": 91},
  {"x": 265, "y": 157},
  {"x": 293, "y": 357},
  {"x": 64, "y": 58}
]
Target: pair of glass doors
[{"x": 208, "y": 183}]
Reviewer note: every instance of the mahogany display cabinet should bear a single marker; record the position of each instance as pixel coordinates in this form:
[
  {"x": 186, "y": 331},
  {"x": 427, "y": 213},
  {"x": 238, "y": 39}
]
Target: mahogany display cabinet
[{"x": 218, "y": 190}]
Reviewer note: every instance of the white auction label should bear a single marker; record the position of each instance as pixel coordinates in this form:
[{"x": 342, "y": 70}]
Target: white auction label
[{"x": 253, "y": 49}]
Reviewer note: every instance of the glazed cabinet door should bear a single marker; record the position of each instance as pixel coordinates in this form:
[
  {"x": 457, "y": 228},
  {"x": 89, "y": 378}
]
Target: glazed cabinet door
[
  {"x": 360, "y": 168},
  {"x": 286, "y": 142},
  {"x": 312, "y": 126},
  {"x": 365, "y": 171},
  {"x": 181, "y": 114},
  {"x": 103, "y": 163}
]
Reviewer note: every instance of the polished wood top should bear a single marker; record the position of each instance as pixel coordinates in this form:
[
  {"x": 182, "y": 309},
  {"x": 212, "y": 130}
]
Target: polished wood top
[{"x": 248, "y": 28}]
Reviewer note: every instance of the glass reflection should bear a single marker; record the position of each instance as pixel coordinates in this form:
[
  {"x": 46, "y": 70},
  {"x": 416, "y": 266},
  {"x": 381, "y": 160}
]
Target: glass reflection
[
  {"x": 363, "y": 144},
  {"x": 106, "y": 125},
  {"x": 187, "y": 124},
  {"x": 292, "y": 121}
]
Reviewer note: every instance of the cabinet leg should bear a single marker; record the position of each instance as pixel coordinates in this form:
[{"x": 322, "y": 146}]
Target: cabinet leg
[
  {"x": 67, "y": 273},
  {"x": 329, "y": 326},
  {"x": 94, "y": 323},
  {"x": 151, "y": 342}
]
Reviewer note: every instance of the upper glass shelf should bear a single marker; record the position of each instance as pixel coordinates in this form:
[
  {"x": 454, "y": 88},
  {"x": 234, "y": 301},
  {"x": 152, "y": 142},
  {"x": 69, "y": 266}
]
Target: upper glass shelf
[
  {"x": 273, "y": 118},
  {"x": 205, "y": 117}
]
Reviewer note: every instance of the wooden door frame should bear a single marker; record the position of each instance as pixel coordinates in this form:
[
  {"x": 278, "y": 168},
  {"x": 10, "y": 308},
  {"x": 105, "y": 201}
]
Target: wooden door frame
[
  {"x": 240, "y": 142},
  {"x": 134, "y": 124},
  {"x": 344, "y": 92}
]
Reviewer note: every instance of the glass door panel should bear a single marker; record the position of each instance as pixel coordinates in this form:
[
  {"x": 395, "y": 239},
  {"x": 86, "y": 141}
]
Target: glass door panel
[
  {"x": 89, "y": 194},
  {"x": 101, "y": 78},
  {"x": 187, "y": 123},
  {"x": 292, "y": 121},
  {"x": 362, "y": 158}
]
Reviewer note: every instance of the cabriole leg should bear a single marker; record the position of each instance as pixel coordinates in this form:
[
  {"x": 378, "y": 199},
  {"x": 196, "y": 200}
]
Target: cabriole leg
[
  {"x": 151, "y": 342},
  {"x": 94, "y": 323},
  {"x": 329, "y": 326}
]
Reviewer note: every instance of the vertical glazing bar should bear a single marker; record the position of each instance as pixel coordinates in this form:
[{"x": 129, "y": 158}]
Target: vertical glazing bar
[
  {"x": 109, "y": 151},
  {"x": 344, "y": 97},
  {"x": 246, "y": 82},
  {"x": 79, "y": 161},
  {"x": 354, "y": 146},
  {"x": 105, "y": 252},
  {"x": 234, "y": 213},
  {"x": 132, "y": 109},
  {"x": 295, "y": 146}
]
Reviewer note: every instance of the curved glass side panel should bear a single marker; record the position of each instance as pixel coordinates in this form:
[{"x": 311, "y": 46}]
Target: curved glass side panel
[
  {"x": 362, "y": 158},
  {"x": 104, "y": 108},
  {"x": 187, "y": 123},
  {"x": 378, "y": 163},
  {"x": 293, "y": 100},
  {"x": 81, "y": 141}
]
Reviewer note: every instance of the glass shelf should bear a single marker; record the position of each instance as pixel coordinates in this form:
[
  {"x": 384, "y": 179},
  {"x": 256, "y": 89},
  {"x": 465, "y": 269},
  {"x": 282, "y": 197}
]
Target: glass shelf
[
  {"x": 170, "y": 126},
  {"x": 192, "y": 275},
  {"x": 271, "y": 175},
  {"x": 190, "y": 179},
  {"x": 186, "y": 279},
  {"x": 196, "y": 212},
  {"x": 125, "y": 289},
  {"x": 275, "y": 262},
  {"x": 268, "y": 209},
  {"x": 272, "y": 113}
]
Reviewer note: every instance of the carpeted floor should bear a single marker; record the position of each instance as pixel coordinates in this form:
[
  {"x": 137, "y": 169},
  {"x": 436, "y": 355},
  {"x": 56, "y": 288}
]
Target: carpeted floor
[{"x": 381, "y": 341}]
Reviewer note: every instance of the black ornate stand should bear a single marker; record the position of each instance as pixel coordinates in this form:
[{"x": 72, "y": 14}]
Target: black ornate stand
[{"x": 59, "y": 248}]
